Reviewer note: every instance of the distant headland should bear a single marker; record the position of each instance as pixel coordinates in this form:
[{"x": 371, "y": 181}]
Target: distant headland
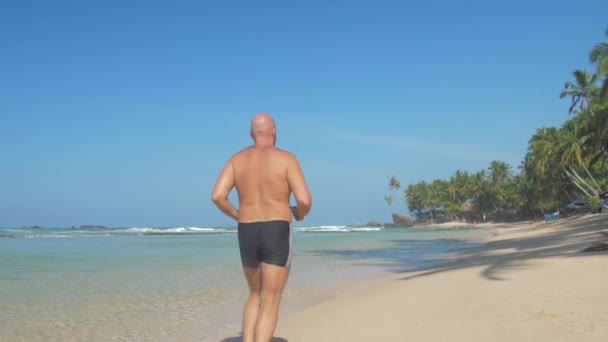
[
  {"x": 89, "y": 226},
  {"x": 32, "y": 227}
]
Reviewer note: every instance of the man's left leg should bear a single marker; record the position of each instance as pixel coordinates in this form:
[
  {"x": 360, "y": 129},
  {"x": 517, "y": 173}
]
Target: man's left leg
[
  {"x": 274, "y": 279},
  {"x": 252, "y": 307}
]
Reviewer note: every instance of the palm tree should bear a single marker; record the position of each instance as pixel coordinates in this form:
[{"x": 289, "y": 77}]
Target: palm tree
[
  {"x": 542, "y": 147},
  {"x": 500, "y": 172},
  {"x": 482, "y": 193},
  {"x": 554, "y": 151},
  {"x": 438, "y": 197},
  {"x": 527, "y": 191},
  {"x": 582, "y": 91},
  {"x": 393, "y": 185},
  {"x": 459, "y": 186},
  {"x": 597, "y": 130},
  {"x": 414, "y": 197},
  {"x": 573, "y": 155},
  {"x": 542, "y": 170},
  {"x": 500, "y": 180},
  {"x": 599, "y": 55}
]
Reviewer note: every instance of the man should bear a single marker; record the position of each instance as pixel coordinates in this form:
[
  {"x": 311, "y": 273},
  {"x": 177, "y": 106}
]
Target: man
[{"x": 264, "y": 177}]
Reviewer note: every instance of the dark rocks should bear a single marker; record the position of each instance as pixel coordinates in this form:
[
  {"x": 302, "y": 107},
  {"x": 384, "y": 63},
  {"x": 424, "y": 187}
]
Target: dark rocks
[
  {"x": 32, "y": 227},
  {"x": 402, "y": 221},
  {"x": 399, "y": 221},
  {"x": 87, "y": 226}
]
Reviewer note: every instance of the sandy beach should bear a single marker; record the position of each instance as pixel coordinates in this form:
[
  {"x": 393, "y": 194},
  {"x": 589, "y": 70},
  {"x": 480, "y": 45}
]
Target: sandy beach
[{"x": 529, "y": 282}]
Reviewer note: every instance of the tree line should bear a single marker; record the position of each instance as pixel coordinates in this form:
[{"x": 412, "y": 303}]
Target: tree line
[{"x": 562, "y": 164}]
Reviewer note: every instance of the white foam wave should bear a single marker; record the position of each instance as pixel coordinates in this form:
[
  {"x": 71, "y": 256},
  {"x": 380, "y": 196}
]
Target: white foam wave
[
  {"x": 196, "y": 229},
  {"x": 140, "y": 230},
  {"x": 337, "y": 229},
  {"x": 49, "y": 235},
  {"x": 174, "y": 230},
  {"x": 366, "y": 229},
  {"x": 65, "y": 233}
]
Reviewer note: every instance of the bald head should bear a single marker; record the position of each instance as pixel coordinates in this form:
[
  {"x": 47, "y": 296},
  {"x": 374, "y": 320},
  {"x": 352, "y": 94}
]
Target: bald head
[{"x": 262, "y": 126}]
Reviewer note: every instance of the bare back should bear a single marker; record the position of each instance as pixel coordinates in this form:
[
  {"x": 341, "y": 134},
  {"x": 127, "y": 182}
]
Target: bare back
[{"x": 261, "y": 180}]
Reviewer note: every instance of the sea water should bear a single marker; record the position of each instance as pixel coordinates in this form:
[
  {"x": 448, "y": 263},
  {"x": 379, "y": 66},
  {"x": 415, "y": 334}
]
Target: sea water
[{"x": 181, "y": 283}]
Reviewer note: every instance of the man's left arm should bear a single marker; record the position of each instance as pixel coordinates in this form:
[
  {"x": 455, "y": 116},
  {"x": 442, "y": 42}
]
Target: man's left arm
[{"x": 223, "y": 186}]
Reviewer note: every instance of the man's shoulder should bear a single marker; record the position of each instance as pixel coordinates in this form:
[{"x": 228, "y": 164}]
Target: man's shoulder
[
  {"x": 275, "y": 150},
  {"x": 276, "y": 153},
  {"x": 241, "y": 152},
  {"x": 284, "y": 152},
  {"x": 287, "y": 156}
]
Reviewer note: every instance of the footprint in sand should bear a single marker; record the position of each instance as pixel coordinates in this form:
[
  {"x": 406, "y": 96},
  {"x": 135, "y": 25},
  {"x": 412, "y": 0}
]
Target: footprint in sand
[{"x": 542, "y": 315}]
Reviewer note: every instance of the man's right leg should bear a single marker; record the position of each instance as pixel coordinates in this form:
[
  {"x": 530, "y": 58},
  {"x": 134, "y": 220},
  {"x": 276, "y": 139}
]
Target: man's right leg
[
  {"x": 273, "y": 282},
  {"x": 252, "y": 307}
]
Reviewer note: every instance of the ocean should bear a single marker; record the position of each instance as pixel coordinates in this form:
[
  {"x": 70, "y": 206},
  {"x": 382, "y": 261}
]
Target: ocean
[{"x": 182, "y": 283}]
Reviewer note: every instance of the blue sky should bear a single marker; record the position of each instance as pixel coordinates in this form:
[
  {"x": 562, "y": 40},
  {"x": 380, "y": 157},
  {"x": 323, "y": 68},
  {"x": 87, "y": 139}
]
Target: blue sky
[{"x": 122, "y": 113}]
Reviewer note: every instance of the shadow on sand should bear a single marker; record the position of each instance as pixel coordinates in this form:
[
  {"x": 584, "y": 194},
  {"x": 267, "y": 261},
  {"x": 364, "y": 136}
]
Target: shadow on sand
[
  {"x": 563, "y": 238},
  {"x": 240, "y": 339}
]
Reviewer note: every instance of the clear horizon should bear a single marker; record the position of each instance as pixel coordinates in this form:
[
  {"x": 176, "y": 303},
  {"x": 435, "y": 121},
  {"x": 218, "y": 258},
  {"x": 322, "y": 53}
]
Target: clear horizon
[{"x": 123, "y": 114}]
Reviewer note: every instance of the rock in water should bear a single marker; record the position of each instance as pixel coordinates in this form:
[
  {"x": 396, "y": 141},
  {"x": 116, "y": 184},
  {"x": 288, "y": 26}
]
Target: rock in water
[{"x": 400, "y": 220}]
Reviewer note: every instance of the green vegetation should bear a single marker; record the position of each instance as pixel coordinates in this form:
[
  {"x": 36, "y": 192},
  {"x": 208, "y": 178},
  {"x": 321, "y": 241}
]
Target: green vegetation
[{"x": 561, "y": 165}]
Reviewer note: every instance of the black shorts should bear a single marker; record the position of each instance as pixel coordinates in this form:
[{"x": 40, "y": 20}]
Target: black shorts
[{"x": 270, "y": 242}]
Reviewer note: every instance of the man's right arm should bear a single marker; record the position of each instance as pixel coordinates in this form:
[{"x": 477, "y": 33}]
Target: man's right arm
[
  {"x": 297, "y": 184},
  {"x": 223, "y": 186}
]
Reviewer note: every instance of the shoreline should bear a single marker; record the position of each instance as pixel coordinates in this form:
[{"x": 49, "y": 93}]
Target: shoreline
[
  {"x": 462, "y": 224},
  {"x": 528, "y": 278}
]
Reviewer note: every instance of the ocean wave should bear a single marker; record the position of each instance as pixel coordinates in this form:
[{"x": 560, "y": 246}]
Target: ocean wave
[
  {"x": 67, "y": 232},
  {"x": 48, "y": 235},
  {"x": 179, "y": 230},
  {"x": 196, "y": 229},
  {"x": 337, "y": 229},
  {"x": 366, "y": 229}
]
